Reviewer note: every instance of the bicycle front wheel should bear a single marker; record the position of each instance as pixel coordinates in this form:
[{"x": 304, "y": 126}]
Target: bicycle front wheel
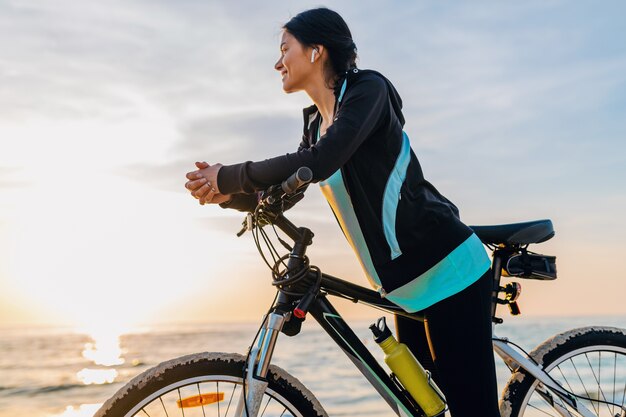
[
  {"x": 207, "y": 384},
  {"x": 589, "y": 362}
]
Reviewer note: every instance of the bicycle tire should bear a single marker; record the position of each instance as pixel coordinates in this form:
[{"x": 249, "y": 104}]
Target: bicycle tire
[
  {"x": 563, "y": 357},
  {"x": 155, "y": 391}
]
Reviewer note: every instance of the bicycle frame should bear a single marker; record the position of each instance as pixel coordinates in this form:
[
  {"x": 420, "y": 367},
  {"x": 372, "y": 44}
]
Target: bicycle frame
[
  {"x": 341, "y": 333},
  {"x": 331, "y": 321},
  {"x": 335, "y": 326}
]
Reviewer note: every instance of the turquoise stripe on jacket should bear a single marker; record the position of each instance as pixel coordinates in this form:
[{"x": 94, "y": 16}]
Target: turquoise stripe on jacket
[
  {"x": 457, "y": 271},
  {"x": 391, "y": 196}
]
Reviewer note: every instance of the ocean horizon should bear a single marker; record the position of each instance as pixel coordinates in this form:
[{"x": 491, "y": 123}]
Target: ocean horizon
[{"x": 65, "y": 372}]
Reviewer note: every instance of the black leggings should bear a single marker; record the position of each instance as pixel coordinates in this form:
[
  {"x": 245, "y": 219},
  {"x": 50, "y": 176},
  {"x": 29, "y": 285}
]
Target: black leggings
[{"x": 454, "y": 344}]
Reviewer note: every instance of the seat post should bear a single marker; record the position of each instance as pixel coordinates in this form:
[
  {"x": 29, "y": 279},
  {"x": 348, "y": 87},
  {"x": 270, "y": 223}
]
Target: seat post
[{"x": 497, "y": 274}]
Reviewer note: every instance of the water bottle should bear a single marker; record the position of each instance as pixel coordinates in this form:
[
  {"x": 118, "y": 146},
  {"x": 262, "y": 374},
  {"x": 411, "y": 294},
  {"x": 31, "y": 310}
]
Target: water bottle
[{"x": 408, "y": 370}]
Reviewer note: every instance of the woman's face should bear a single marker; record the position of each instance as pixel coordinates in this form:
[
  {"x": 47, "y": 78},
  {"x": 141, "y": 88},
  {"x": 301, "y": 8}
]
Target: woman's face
[{"x": 294, "y": 63}]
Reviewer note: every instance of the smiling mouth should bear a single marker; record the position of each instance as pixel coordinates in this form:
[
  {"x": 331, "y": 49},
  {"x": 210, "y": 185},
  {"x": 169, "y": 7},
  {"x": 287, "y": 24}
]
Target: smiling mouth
[{"x": 283, "y": 74}]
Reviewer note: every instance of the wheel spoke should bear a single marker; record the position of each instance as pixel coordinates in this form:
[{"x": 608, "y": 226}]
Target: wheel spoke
[
  {"x": 600, "y": 378},
  {"x": 568, "y": 385},
  {"x": 182, "y": 409},
  {"x": 189, "y": 385},
  {"x": 266, "y": 404},
  {"x": 539, "y": 409},
  {"x": 576, "y": 364},
  {"x": 584, "y": 387},
  {"x": 614, "y": 375},
  {"x": 164, "y": 409},
  {"x": 231, "y": 399},
  {"x": 597, "y": 378},
  {"x": 558, "y": 400},
  {"x": 200, "y": 396},
  {"x": 565, "y": 378}
]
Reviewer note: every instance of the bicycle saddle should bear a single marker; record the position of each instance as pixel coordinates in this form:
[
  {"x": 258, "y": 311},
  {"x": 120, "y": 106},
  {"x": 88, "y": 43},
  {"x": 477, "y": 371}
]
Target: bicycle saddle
[{"x": 516, "y": 233}]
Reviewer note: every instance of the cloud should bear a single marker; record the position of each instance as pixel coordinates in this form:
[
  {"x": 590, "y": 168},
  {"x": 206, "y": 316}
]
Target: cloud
[
  {"x": 225, "y": 139},
  {"x": 67, "y": 59},
  {"x": 515, "y": 110},
  {"x": 510, "y": 108},
  {"x": 8, "y": 178}
]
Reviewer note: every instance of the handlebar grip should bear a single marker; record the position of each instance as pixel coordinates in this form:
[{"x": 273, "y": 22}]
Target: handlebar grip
[{"x": 302, "y": 176}]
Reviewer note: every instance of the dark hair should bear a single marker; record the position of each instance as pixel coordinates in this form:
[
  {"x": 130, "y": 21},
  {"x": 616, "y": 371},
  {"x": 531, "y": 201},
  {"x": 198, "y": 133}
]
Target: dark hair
[{"x": 325, "y": 27}]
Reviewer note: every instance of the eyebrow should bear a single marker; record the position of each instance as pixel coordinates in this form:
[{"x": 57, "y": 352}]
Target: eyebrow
[{"x": 281, "y": 45}]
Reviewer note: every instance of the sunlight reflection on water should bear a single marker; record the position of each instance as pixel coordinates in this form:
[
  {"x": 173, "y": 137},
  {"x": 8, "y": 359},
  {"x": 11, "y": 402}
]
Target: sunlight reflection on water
[
  {"x": 104, "y": 350},
  {"x": 84, "y": 410},
  {"x": 96, "y": 376}
]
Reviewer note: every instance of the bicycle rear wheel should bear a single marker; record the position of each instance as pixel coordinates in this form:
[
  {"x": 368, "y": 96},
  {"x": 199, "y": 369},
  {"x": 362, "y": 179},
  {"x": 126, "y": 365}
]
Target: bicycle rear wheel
[
  {"x": 590, "y": 362},
  {"x": 207, "y": 384}
]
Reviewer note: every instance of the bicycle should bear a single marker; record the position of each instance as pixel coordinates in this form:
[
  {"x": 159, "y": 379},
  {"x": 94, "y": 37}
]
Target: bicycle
[{"x": 561, "y": 377}]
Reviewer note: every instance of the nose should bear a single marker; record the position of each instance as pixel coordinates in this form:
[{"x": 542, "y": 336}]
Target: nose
[{"x": 279, "y": 64}]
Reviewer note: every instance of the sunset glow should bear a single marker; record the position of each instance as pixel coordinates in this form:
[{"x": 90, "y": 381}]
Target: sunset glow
[
  {"x": 108, "y": 266},
  {"x": 97, "y": 230}
]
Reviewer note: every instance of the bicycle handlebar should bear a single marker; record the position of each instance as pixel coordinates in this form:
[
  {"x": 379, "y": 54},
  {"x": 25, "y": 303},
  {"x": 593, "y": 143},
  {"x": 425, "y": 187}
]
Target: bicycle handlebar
[
  {"x": 272, "y": 196},
  {"x": 297, "y": 180},
  {"x": 301, "y": 177}
]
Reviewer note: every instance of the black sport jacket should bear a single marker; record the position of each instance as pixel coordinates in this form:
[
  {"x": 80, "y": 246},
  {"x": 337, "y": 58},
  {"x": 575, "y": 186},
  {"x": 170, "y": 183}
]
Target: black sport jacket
[{"x": 364, "y": 143}]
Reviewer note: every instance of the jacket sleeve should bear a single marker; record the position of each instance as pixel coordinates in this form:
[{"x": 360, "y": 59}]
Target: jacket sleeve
[
  {"x": 364, "y": 105},
  {"x": 241, "y": 202},
  {"x": 247, "y": 202}
]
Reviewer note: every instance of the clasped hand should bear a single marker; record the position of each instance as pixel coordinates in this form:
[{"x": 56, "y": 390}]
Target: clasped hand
[{"x": 203, "y": 184}]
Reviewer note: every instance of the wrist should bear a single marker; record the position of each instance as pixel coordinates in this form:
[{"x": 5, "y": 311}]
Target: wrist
[
  {"x": 226, "y": 203},
  {"x": 226, "y": 179}
]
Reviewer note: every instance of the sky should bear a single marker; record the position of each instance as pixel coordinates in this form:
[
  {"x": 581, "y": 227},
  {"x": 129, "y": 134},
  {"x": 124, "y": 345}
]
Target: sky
[{"x": 516, "y": 111}]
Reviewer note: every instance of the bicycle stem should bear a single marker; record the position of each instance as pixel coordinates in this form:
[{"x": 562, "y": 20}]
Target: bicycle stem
[
  {"x": 294, "y": 232},
  {"x": 302, "y": 238}
]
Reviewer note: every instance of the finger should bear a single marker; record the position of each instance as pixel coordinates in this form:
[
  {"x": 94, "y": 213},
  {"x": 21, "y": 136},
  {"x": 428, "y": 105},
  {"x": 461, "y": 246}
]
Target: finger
[
  {"x": 203, "y": 191},
  {"x": 194, "y": 185},
  {"x": 214, "y": 197},
  {"x": 208, "y": 197},
  {"x": 193, "y": 175},
  {"x": 202, "y": 165},
  {"x": 200, "y": 192}
]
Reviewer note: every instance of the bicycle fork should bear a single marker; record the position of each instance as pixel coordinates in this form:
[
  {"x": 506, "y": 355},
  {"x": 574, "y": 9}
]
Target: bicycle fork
[{"x": 257, "y": 366}]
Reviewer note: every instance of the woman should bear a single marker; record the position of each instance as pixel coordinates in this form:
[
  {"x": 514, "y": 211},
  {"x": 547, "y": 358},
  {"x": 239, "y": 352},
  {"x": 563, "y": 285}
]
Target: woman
[{"x": 408, "y": 237}]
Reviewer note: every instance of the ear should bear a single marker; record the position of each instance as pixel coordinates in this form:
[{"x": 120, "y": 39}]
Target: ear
[{"x": 316, "y": 52}]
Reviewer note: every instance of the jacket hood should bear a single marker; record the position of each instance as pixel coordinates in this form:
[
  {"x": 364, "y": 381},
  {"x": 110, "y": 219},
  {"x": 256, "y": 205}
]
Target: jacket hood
[
  {"x": 352, "y": 75},
  {"x": 355, "y": 73}
]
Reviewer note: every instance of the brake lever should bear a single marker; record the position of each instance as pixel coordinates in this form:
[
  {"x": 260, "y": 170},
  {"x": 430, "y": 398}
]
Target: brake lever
[
  {"x": 272, "y": 194},
  {"x": 248, "y": 224},
  {"x": 278, "y": 198}
]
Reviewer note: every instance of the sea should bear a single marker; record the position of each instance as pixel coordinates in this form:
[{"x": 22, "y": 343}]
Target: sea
[{"x": 65, "y": 372}]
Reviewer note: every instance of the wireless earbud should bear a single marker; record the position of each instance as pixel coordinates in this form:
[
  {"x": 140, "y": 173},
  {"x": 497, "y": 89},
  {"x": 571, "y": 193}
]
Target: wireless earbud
[{"x": 313, "y": 56}]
